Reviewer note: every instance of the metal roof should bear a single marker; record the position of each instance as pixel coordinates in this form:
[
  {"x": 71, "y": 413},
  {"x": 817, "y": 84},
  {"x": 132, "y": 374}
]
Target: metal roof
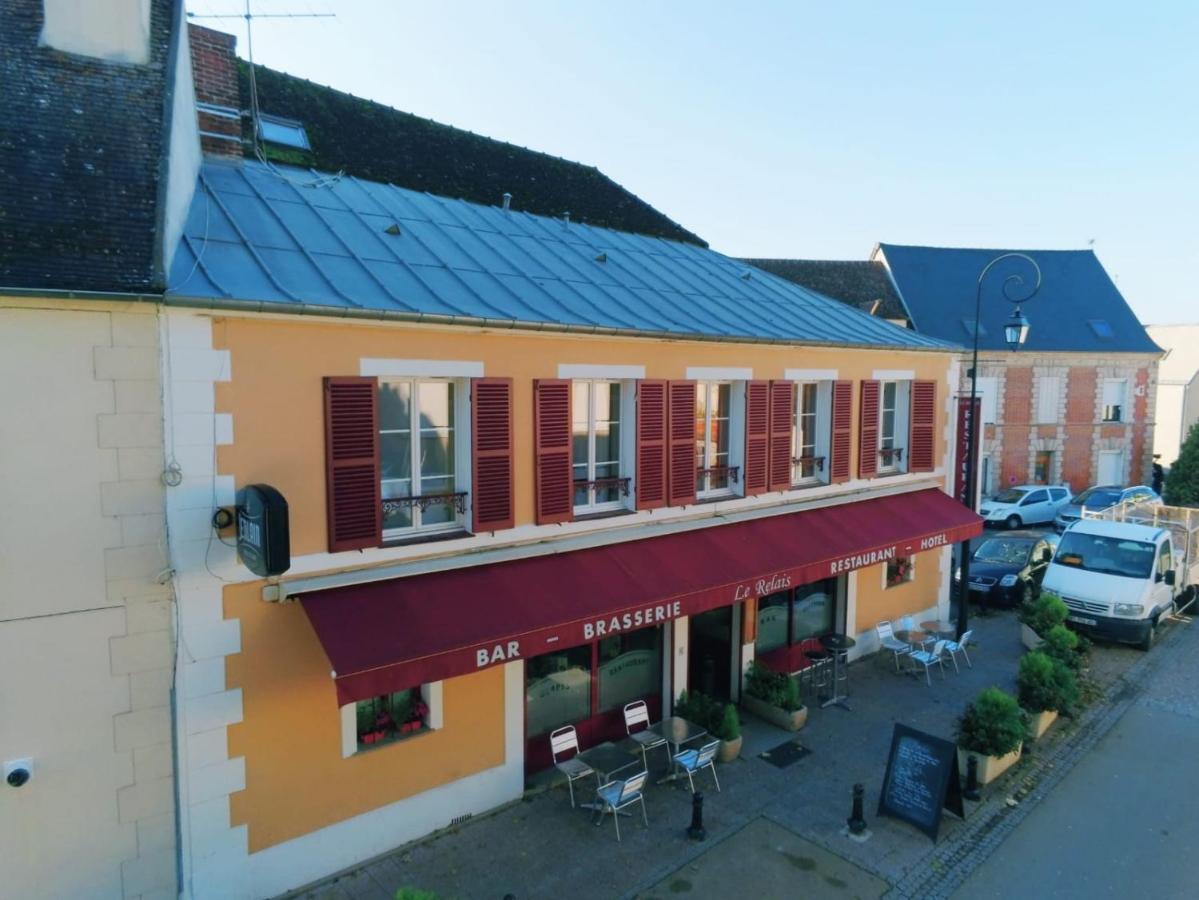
[
  {"x": 1078, "y": 308},
  {"x": 260, "y": 237}
]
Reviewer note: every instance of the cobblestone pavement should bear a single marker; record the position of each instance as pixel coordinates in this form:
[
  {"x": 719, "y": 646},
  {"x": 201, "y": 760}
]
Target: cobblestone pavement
[{"x": 540, "y": 847}]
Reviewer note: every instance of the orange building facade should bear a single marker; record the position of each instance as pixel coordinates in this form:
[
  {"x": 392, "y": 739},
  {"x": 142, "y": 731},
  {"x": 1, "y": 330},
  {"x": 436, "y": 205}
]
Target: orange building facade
[{"x": 549, "y": 526}]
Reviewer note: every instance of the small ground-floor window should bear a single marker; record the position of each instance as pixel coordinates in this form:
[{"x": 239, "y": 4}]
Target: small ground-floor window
[
  {"x": 390, "y": 717},
  {"x": 900, "y": 570},
  {"x": 790, "y": 617}
]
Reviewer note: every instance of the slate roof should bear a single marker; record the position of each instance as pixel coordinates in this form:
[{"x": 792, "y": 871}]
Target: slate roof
[
  {"x": 258, "y": 240},
  {"x": 863, "y": 284},
  {"x": 379, "y": 143},
  {"x": 1078, "y": 307},
  {"x": 81, "y": 143}
]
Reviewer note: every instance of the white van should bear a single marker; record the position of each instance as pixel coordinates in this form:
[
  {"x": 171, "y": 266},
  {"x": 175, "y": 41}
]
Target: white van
[{"x": 1119, "y": 574}]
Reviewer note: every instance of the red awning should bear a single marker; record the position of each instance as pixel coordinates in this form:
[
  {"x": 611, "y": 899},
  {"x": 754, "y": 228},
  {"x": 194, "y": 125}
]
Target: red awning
[{"x": 389, "y": 635}]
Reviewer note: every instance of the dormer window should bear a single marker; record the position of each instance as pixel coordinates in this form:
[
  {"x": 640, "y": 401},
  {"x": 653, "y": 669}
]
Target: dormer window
[{"x": 281, "y": 131}]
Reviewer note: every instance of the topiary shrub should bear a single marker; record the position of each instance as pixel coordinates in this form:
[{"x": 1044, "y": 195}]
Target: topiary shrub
[
  {"x": 1046, "y": 683},
  {"x": 729, "y": 728},
  {"x": 1043, "y": 613},
  {"x": 1065, "y": 646},
  {"x": 776, "y": 688},
  {"x": 1182, "y": 484},
  {"x": 993, "y": 725}
]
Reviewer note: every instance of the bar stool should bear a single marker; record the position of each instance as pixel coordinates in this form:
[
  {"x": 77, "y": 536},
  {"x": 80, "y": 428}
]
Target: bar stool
[{"x": 818, "y": 674}]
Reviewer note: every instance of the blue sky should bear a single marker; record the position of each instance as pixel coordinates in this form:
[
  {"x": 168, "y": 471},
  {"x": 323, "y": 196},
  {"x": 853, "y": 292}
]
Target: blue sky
[{"x": 815, "y": 130}]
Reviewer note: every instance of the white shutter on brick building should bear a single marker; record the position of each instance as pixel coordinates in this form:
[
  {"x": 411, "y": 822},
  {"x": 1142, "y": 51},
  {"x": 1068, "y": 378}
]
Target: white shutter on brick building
[{"x": 1048, "y": 392}]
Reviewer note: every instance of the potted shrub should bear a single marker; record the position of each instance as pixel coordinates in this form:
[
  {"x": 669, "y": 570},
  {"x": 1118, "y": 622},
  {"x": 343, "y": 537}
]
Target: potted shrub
[
  {"x": 719, "y": 720},
  {"x": 1066, "y": 647},
  {"x": 774, "y": 697},
  {"x": 1040, "y": 615},
  {"x": 1046, "y": 687},
  {"x": 992, "y": 729}
]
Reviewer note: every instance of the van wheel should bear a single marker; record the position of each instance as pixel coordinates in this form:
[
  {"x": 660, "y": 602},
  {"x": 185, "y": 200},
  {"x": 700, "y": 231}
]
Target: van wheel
[
  {"x": 1013, "y": 522},
  {"x": 1150, "y": 637}
]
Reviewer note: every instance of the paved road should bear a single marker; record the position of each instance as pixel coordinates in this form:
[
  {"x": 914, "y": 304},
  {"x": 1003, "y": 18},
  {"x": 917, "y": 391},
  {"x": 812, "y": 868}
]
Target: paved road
[{"x": 1124, "y": 822}]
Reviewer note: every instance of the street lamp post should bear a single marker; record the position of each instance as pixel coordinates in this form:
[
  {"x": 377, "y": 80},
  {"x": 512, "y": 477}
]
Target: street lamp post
[{"x": 1015, "y": 331}]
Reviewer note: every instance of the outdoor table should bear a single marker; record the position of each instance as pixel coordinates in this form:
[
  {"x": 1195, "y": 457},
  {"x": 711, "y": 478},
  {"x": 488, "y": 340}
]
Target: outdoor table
[
  {"x": 938, "y": 628},
  {"x": 677, "y": 731},
  {"x": 607, "y": 759},
  {"x": 839, "y": 646},
  {"x": 914, "y": 637}
]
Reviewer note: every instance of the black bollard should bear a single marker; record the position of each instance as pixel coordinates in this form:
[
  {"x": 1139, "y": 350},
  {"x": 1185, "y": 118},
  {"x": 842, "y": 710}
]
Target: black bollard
[
  {"x": 856, "y": 821},
  {"x": 971, "y": 792},
  {"x": 697, "y": 832}
]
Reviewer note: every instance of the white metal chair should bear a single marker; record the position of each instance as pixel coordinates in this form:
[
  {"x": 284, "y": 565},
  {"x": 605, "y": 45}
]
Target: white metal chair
[
  {"x": 928, "y": 659},
  {"x": 953, "y": 647},
  {"x": 564, "y": 741},
  {"x": 616, "y": 795},
  {"x": 692, "y": 761},
  {"x": 888, "y": 641},
  {"x": 636, "y": 715}
]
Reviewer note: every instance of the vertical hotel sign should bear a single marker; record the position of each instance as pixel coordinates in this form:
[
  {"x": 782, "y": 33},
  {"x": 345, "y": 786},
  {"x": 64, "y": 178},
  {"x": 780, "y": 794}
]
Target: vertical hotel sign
[{"x": 967, "y": 418}]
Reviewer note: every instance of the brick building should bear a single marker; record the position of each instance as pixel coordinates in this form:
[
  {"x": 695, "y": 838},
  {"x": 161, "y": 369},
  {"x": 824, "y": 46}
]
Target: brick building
[{"x": 1074, "y": 405}]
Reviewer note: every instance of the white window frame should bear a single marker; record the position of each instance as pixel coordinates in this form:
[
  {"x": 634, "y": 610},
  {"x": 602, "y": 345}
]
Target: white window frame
[
  {"x": 621, "y": 500},
  {"x": 820, "y": 425},
  {"x": 1049, "y": 389},
  {"x": 1120, "y": 385},
  {"x": 733, "y": 459},
  {"x": 431, "y": 693},
  {"x": 910, "y": 577},
  {"x": 986, "y": 390},
  {"x": 896, "y": 462},
  {"x": 461, "y": 434}
]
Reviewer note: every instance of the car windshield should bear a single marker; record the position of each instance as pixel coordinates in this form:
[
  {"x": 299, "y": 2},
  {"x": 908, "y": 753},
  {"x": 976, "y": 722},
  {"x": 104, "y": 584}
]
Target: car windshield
[
  {"x": 1003, "y": 550},
  {"x": 1109, "y": 555},
  {"x": 1011, "y": 495},
  {"x": 1097, "y": 498}
]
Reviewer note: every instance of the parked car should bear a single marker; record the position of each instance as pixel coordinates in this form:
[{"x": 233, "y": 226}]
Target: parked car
[
  {"x": 1101, "y": 497},
  {"x": 1027, "y": 504},
  {"x": 1006, "y": 569}
]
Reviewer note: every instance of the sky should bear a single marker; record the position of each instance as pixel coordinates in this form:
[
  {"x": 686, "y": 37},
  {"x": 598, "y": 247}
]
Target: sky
[{"x": 814, "y": 130}]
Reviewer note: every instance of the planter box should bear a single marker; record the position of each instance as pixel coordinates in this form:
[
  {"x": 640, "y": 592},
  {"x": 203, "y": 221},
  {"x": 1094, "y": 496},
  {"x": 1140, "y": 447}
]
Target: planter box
[
  {"x": 1039, "y": 722},
  {"x": 791, "y": 721},
  {"x": 989, "y": 767},
  {"x": 729, "y": 750},
  {"x": 1029, "y": 638}
]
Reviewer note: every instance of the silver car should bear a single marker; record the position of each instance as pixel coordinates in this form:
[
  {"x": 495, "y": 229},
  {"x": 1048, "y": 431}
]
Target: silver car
[{"x": 1101, "y": 497}]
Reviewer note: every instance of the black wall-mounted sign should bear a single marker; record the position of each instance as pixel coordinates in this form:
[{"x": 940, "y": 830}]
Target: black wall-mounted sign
[
  {"x": 922, "y": 779},
  {"x": 263, "y": 540}
]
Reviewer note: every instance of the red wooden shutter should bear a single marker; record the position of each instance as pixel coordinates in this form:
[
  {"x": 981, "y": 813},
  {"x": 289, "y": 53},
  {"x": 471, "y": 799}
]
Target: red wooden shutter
[
  {"x": 839, "y": 445},
  {"x": 491, "y": 454},
  {"x": 681, "y": 443},
  {"x": 782, "y": 418},
  {"x": 757, "y": 437},
  {"x": 868, "y": 430},
  {"x": 924, "y": 422},
  {"x": 353, "y": 506},
  {"x": 554, "y": 481},
  {"x": 651, "y": 444}
]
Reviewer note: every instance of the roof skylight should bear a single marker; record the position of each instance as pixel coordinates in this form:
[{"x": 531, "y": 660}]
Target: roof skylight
[
  {"x": 1102, "y": 328},
  {"x": 286, "y": 132}
]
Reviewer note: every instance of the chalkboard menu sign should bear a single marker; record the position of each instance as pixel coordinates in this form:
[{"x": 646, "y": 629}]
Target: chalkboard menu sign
[{"x": 922, "y": 779}]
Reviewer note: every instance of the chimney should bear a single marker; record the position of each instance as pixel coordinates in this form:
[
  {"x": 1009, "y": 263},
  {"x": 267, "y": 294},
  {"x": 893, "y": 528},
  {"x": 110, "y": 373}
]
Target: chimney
[{"x": 218, "y": 98}]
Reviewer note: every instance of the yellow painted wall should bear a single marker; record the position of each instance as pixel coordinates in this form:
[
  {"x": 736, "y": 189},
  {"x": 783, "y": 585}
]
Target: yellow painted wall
[
  {"x": 876, "y": 603},
  {"x": 276, "y": 399},
  {"x": 290, "y": 736}
]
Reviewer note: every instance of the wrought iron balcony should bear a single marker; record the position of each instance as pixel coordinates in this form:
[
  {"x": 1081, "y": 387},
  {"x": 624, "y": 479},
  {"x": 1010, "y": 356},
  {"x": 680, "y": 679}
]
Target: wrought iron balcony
[{"x": 457, "y": 501}]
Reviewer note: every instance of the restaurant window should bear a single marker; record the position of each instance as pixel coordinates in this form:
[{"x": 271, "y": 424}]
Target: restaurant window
[
  {"x": 809, "y": 451},
  {"x": 791, "y": 617},
  {"x": 417, "y": 457},
  {"x": 1113, "y": 399},
  {"x": 596, "y": 436},
  {"x": 630, "y": 667},
  {"x": 1043, "y": 467},
  {"x": 900, "y": 570},
  {"x": 557, "y": 689},
  {"x": 390, "y": 717},
  {"x": 893, "y": 426},
  {"x": 713, "y": 422}
]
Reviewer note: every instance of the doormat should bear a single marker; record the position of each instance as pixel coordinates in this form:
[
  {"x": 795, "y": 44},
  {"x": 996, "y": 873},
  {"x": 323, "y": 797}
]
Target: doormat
[{"x": 785, "y": 754}]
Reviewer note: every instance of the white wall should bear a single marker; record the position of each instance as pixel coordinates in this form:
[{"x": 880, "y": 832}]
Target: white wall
[
  {"x": 115, "y": 30},
  {"x": 1175, "y": 372},
  {"x": 183, "y": 147},
  {"x": 85, "y": 626}
]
